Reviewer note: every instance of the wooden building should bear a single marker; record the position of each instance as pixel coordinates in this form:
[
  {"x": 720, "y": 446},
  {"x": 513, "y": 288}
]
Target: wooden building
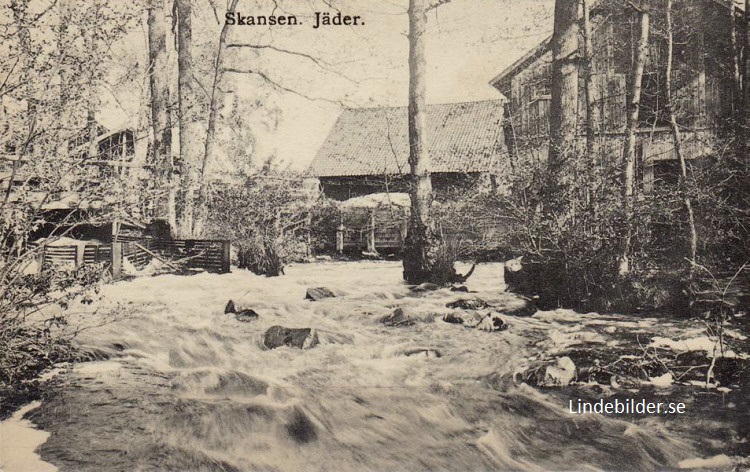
[
  {"x": 367, "y": 151},
  {"x": 75, "y": 199},
  {"x": 702, "y": 84}
]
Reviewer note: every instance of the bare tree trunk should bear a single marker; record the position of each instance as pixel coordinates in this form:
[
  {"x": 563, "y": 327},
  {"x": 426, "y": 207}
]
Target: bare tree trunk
[
  {"x": 21, "y": 18},
  {"x": 211, "y": 131},
  {"x": 745, "y": 85},
  {"x": 744, "y": 164},
  {"x": 161, "y": 123},
  {"x": 422, "y": 245},
  {"x": 678, "y": 139},
  {"x": 62, "y": 43},
  {"x": 564, "y": 104},
  {"x": 588, "y": 55},
  {"x": 636, "y": 79},
  {"x": 92, "y": 127},
  {"x": 190, "y": 127},
  {"x": 738, "y": 112}
]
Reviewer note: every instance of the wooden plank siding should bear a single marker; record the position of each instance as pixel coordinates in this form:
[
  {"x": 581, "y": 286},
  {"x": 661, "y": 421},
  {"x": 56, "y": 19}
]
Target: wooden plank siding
[{"x": 702, "y": 84}]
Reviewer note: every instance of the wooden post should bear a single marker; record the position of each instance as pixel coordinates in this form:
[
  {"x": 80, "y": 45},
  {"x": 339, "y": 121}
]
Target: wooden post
[
  {"x": 340, "y": 238},
  {"x": 115, "y": 230},
  {"x": 225, "y": 255},
  {"x": 308, "y": 234},
  {"x": 371, "y": 233},
  {"x": 40, "y": 259},
  {"x": 116, "y": 260},
  {"x": 80, "y": 249}
]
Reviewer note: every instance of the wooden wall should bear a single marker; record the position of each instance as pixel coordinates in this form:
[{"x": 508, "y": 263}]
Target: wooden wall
[{"x": 701, "y": 80}]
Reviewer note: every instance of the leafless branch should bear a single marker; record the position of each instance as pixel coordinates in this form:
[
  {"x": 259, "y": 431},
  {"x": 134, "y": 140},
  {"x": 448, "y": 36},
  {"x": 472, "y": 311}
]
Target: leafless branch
[
  {"x": 317, "y": 61},
  {"x": 437, "y": 4},
  {"x": 279, "y": 86}
]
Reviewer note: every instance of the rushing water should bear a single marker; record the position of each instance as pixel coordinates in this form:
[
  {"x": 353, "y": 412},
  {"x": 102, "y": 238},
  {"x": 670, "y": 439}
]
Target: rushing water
[{"x": 182, "y": 386}]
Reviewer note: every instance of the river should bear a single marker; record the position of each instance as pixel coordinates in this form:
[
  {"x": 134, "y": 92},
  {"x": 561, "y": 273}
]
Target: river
[{"x": 176, "y": 384}]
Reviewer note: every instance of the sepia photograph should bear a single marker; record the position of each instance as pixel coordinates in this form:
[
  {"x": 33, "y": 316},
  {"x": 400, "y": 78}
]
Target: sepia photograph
[{"x": 374, "y": 235}]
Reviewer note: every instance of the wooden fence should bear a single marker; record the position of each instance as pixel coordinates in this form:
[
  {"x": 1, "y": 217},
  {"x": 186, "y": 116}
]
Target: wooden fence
[
  {"x": 137, "y": 252},
  {"x": 210, "y": 255},
  {"x": 74, "y": 256}
]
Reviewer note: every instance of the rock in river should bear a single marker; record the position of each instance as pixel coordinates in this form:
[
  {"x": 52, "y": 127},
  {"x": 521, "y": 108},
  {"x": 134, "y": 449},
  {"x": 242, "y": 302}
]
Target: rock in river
[
  {"x": 470, "y": 319},
  {"x": 318, "y": 293},
  {"x": 302, "y": 338},
  {"x": 397, "y": 318},
  {"x": 468, "y": 304},
  {"x": 557, "y": 374},
  {"x": 492, "y": 322},
  {"x": 244, "y": 315}
]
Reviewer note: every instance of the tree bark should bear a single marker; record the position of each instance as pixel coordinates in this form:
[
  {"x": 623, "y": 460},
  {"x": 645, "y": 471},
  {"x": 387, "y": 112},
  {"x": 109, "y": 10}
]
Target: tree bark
[
  {"x": 588, "y": 54},
  {"x": 564, "y": 104},
  {"x": 211, "y": 131},
  {"x": 636, "y": 79},
  {"x": 92, "y": 102},
  {"x": 678, "y": 139},
  {"x": 190, "y": 127},
  {"x": 738, "y": 110},
  {"x": 161, "y": 123},
  {"x": 422, "y": 259},
  {"x": 746, "y": 89}
]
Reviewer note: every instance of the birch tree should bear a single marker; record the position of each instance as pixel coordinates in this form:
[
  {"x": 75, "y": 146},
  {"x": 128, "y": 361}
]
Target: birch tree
[
  {"x": 677, "y": 138},
  {"x": 629, "y": 158},
  {"x": 213, "y": 113}
]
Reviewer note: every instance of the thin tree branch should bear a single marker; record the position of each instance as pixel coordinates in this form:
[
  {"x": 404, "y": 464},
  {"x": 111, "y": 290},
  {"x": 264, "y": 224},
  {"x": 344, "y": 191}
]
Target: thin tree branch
[
  {"x": 279, "y": 86},
  {"x": 317, "y": 61}
]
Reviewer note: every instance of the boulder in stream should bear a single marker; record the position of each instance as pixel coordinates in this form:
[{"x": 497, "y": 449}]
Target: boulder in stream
[
  {"x": 492, "y": 322},
  {"x": 397, "y": 318},
  {"x": 558, "y": 373},
  {"x": 318, "y": 293},
  {"x": 468, "y": 304},
  {"x": 301, "y": 338},
  {"x": 462, "y": 317},
  {"x": 245, "y": 315}
]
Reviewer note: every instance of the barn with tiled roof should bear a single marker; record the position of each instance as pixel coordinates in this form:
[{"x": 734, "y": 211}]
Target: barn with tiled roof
[{"x": 367, "y": 150}]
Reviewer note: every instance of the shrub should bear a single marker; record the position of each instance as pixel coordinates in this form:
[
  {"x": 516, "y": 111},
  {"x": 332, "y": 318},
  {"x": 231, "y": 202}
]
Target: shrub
[{"x": 265, "y": 215}]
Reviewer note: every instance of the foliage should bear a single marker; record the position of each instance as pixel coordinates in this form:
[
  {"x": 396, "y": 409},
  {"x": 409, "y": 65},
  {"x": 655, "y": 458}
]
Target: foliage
[
  {"x": 34, "y": 330},
  {"x": 325, "y": 217},
  {"x": 269, "y": 210},
  {"x": 571, "y": 247},
  {"x": 55, "y": 59}
]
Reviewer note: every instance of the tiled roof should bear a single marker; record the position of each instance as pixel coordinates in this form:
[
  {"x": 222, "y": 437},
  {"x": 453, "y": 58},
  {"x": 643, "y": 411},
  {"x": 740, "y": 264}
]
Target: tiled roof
[{"x": 461, "y": 137}]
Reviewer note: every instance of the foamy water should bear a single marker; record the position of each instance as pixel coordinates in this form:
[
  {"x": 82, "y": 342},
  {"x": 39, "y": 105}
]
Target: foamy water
[
  {"x": 186, "y": 387},
  {"x": 19, "y": 438}
]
